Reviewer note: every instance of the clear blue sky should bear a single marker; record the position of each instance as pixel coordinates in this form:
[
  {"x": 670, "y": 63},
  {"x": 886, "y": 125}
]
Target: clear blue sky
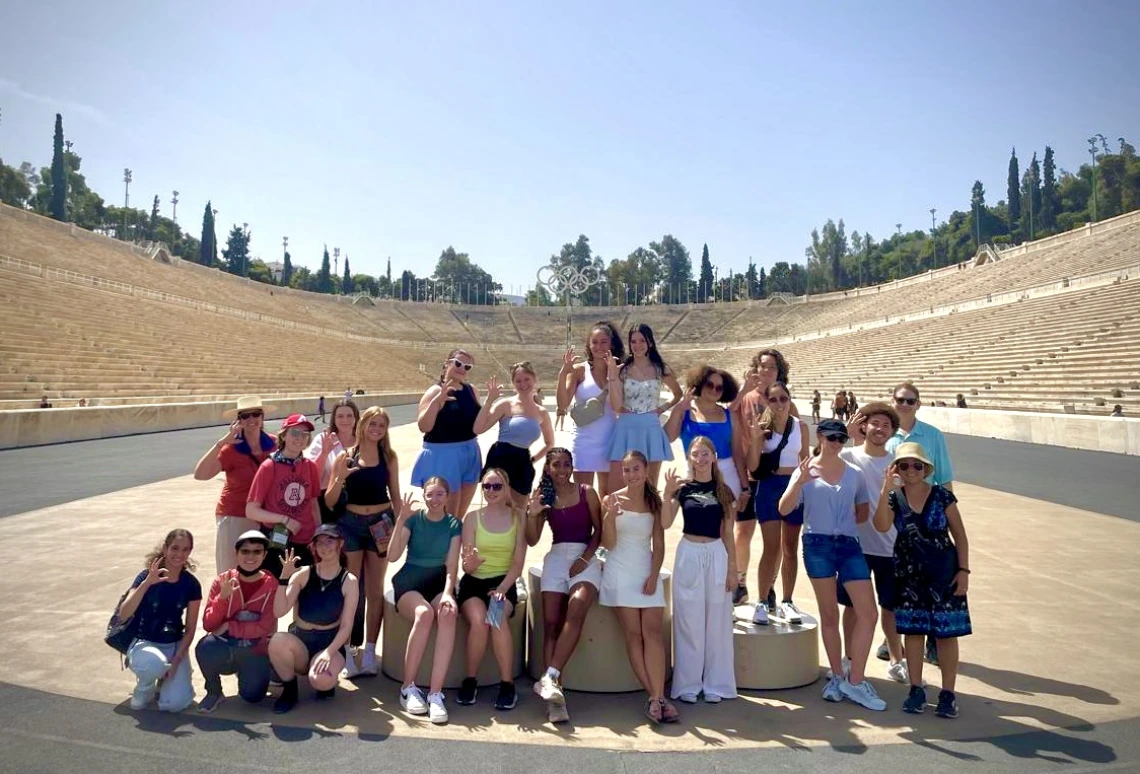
[{"x": 508, "y": 128}]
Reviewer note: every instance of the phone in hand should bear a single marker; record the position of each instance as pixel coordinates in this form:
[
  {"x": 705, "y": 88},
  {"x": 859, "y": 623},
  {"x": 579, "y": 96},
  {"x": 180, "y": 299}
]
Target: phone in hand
[
  {"x": 495, "y": 612},
  {"x": 382, "y": 529}
]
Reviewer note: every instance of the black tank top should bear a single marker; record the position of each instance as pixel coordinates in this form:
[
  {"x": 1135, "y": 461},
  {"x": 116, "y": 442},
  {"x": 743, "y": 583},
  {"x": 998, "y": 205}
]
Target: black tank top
[
  {"x": 368, "y": 486},
  {"x": 455, "y": 421},
  {"x": 321, "y": 601}
]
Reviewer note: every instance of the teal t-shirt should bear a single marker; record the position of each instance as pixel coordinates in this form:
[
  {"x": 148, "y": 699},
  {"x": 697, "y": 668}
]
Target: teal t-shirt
[{"x": 430, "y": 540}]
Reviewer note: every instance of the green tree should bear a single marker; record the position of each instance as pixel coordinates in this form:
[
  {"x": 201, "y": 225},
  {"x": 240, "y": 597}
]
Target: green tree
[
  {"x": 1013, "y": 192},
  {"x": 347, "y": 285},
  {"x": 977, "y": 207},
  {"x": 208, "y": 250},
  {"x": 152, "y": 231},
  {"x": 751, "y": 281},
  {"x": 287, "y": 270},
  {"x": 676, "y": 269},
  {"x": 365, "y": 283},
  {"x": 58, "y": 173},
  {"x": 1031, "y": 189},
  {"x": 324, "y": 276},
  {"x": 632, "y": 280},
  {"x": 1049, "y": 191},
  {"x": 237, "y": 251},
  {"x": 705, "y": 281},
  {"x": 825, "y": 257},
  {"x": 14, "y": 188},
  {"x": 458, "y": 280},
  {"x": 762, "y": 284},
  {"x": 578, "y": 255},
  {"x": 259, "y": 271}
]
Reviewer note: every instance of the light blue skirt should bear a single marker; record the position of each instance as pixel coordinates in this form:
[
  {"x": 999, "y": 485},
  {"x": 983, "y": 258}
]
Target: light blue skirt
[
  {"x": 642, "y": 432},
  {"x": 456, "y": 463}
]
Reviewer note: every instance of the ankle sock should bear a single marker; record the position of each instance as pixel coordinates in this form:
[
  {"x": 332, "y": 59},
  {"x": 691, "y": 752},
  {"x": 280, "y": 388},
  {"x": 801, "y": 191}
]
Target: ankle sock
[{"x": 554, "y": 673}]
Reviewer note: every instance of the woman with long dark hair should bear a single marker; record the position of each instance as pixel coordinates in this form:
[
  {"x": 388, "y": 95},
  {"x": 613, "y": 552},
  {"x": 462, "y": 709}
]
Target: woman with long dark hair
[
  {"x": 583, "y": 382},
  {"x": 446, "y": 417},
  {"x": 635, "y": 396},
  {"x": 571, "y": 573},
  {"x": 700, "y": 413},
  {"x": 163, "y": 600}
]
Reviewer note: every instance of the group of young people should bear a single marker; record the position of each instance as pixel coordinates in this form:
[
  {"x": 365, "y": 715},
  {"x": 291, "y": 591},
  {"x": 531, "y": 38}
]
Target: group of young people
[{"x": 308, "y": 522}]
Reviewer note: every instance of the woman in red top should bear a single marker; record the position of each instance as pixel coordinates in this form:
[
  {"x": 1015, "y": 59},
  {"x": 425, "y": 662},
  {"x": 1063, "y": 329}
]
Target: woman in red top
[
  {"x": 238, "y": 453},
  {"x": 283, "y": 496}
]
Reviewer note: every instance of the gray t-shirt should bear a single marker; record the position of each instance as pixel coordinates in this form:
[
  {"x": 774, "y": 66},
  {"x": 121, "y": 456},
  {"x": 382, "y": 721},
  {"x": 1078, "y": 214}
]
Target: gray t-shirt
[
  {"x": 830, "y": 510},
  {"x": 874, "y": 470}
]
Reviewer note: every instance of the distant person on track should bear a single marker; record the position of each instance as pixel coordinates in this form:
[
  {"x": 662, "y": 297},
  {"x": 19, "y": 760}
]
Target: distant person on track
[
  {"x": 1117, "y": 410},
  {"x": 45, "y": 403},
  {"x": 164, "y": 600},
  {"x": 283, "y": 496},
  {"x": 932, "y": 571},
  {"x": 778, "y": 442},
  {"x": 635, "y": 396},
  {"x": 239, "y": 621},
  {"x": 366, "y": 482},
  {"x": 839, "y": 406},
  {"x": 321, "y": 408},
  {"x": 348, "y": 393},
  {"x": 238, "y": 453},
  {"x": 446, "y": 417},
  {"x": 571, "y": 573},
  {"x": 767, "y": 367},
  {"x": 593, "y": 423},
  {"x": 322, "y": 598},
  {"x": 852, "y": 404},
  {"x": 960, "y": 401},
  {"x": 521, "y": 422},
  {"x": 816, "y": 401}
]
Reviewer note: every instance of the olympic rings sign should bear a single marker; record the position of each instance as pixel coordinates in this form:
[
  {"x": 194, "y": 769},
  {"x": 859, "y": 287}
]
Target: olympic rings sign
[{"x": 559, "y": 280}]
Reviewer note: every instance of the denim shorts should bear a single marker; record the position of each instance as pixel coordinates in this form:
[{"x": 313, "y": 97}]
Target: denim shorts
[
  {"x": 357, "y": 533},
  {"x": 828, "y": 556},
  {"x": 766, "y": 494}
]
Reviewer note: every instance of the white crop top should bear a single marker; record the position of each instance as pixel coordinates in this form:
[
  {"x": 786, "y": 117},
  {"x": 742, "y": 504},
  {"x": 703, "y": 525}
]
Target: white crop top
[
  {"x": 641, "y": 396},
  {"x": 790, "y": 455}
]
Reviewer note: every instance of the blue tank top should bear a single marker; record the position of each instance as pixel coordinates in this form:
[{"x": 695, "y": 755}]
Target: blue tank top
[
  {"x": 519, "y": 431},
  {"x": 321, "y": 601},
  {"x": 455, "y": 421},
  {"x": 720, "y": 433}
]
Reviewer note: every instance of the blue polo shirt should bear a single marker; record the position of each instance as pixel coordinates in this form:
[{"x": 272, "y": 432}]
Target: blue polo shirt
[{"x": 932, "y": 441}]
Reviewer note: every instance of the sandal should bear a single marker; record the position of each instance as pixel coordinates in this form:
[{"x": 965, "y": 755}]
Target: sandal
[
  {"x": 669, "y": 713},
  {"x": 653, "y": 711}
]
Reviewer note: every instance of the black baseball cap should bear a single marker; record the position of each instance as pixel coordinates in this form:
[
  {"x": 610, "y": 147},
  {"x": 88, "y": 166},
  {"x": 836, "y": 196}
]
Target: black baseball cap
[{"x": 831, "y": 427}]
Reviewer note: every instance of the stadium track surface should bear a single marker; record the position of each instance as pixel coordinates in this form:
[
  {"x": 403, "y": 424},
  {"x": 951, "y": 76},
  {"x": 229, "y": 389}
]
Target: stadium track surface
[{"x": 1037, "y": 723}]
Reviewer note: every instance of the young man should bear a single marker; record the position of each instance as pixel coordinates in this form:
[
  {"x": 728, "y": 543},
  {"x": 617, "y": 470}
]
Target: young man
[{"x": 876, "y": 423}]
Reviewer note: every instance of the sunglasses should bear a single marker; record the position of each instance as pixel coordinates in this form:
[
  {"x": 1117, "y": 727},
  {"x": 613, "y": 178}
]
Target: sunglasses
[
  {"x": 492, "y": 486},
  {"x": 779, "y": 399},
  {"x": 836, "y": 438},
  {"x": 297, "y": 432},
  {"x": 460, "y": 364},
  {"x": 906, "y": 401},
  {"x": 915, "y": 466},
  {"x": 244, "y": 415},
  {"x": 715, "y": 386}
]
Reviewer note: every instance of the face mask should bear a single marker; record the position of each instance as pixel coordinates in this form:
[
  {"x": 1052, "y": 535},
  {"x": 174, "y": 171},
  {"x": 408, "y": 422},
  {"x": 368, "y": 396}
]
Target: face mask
[{"x": 246, "y": 574}]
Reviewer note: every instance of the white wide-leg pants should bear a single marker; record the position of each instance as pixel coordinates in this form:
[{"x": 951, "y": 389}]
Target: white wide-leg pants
[{"x": 702, "y": 622}]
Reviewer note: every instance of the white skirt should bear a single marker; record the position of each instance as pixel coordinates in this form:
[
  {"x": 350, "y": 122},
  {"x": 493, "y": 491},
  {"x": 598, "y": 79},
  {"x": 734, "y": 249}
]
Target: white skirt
[{"x": 556, "y": 577}]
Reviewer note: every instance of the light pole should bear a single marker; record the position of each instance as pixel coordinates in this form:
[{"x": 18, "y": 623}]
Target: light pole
[
  {"x": 336, "y": 262},
  {"x": 174, "y": 212},
  {"x": 1092, "y": 153},
  {"x": 933, "y": 243},
  {"x": 126, "y": 197}
]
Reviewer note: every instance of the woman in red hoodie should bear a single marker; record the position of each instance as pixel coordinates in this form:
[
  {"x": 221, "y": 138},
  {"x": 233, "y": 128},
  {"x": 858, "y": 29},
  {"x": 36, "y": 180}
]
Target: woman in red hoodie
[{"x": 239, "y": 619}]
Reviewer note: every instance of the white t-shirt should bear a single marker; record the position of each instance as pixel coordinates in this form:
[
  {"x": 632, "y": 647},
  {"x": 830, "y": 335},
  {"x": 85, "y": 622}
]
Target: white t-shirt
[{"x": 874, "y": 470}]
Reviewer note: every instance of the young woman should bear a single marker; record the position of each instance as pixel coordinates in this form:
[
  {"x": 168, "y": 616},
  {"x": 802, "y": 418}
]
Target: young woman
[
  {"x": 240, "y": 619},
  {"x": 238, "y": 453},
  {"x": 632, "y": 535},
  {"x": 835, "y": 499},
  {"x": 816, "y": 400},
  {"x": 446, "y": 417},
  {"x": 839, "y": 406},
  {"x": 583, "y": 381},
  {"x": 932, "y": 571},
  {"x": 767, "y": 367},
  {"x": 700, "y": 413},
  {"x": 283, "y": 496},
  {"x": 780, "y": 534},
  {"x": 571, "y": 573},
  {"x": 366, "y": 480},
  {"x": 323, "y": 599},
  {"x": 704, "y": 575},
  {"x": 493, "y": 549},
  {"x": 327, "y": 444},
  {"x": 635, "y": 396},
  {"x": 521, "y": 421},
  {"x": 425, "y": 592},
  {"x": 164, "y": 601}
]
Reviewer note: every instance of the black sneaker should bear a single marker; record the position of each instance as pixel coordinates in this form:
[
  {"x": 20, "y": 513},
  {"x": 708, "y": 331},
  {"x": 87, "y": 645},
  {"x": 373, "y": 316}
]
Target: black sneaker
[
  {"x": 508, "y": 697},
  {"x": 325, "y": 695},
  {"x": 915, "y": 702},
  {"x": 740, "y": 596},
  {"x": 468, "y": 691},
  {"x": 931, "y": 656},
  {"x": 210, "y": 701},
  {"x": 288, "y": 698},
  {"x": 947, "y": 705}
]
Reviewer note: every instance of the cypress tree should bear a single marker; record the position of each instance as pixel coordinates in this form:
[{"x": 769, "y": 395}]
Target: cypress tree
[
  {"x": 154, "y": 218},
  {"x": 208, "y": 251},
  {"x": 1049, "y": 191},
  {"x": 287, "y": 270},
  {"x": 58, "y": 207},
  {"x": 706, "y": 278},
  {"x": 346, "y": 283},
  {"x": 1013, "y": 192},
  {"x": 324, "y": 278}
]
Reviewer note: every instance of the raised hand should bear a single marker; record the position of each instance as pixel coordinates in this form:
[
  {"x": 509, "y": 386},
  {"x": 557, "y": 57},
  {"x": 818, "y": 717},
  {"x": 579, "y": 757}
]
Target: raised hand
[
  {"x": 751, "y": 382},
  {"x": 471, "y": 559},
  {"x": 493, "y": 389},
  {"x": 155, "y": 573},
  {"x": 342, "y": 468},
  {"x": 568, "y": 358},
  {"x": 289, "y": 564},
  {"x": 672, "y": 482},
  {"x": 228, "y": 588},
  {"x": 612, "y": 369},
  {"x": 407, "y": 504},
  {"x": 534, "y": 504},
  {"x": 233, "y": 434},
  {"x": 857, "y": 427},
  {"x": 449, "y": 388},
  {"x": 612, "y": 507},
  {"x": 687, "y": 399}
]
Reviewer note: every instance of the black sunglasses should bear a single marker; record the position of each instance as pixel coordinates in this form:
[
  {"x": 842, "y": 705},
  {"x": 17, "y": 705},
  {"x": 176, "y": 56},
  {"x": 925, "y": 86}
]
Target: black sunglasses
[
  {"x": 460, "y": 364},
  {"x": 715, "y": 386},
  {"x": 779, "y": 399},
  {"x": 836, "y": 438},
  {"x": 244, "y": 415},
  {"x": 905, "y": 466},
  {"x": 492, "y": 486},
  {"x": 907, "y": 401}
]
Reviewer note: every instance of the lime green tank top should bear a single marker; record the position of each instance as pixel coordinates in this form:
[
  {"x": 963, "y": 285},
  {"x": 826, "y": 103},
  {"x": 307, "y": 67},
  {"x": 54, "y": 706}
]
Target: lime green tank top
[{"x": 496, "y": 548}]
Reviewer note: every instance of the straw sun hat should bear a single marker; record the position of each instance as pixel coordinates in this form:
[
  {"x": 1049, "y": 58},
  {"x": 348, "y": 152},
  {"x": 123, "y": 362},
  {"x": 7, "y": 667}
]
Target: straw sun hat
[{"x": 248, "y": 403}]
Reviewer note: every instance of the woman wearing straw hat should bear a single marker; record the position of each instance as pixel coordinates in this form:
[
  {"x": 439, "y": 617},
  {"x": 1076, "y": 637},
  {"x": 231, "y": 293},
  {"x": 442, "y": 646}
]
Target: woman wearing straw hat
[
  {"x": 932, "y": 571},
  {"x": 238, "y": 453}
]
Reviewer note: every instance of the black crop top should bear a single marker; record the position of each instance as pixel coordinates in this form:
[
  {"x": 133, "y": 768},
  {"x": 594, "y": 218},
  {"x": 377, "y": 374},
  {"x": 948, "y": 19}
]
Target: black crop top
[
  {"x": 700, "y": 509},
  {"x": 321, "y": 601},
  {"x": 455, "y": 421},
  {"x": 368, "y": 486}
]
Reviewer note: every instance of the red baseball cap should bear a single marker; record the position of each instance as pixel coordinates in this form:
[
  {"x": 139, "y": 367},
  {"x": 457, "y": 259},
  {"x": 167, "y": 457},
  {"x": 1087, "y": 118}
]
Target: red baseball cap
[{"x": 297, "y": 420}]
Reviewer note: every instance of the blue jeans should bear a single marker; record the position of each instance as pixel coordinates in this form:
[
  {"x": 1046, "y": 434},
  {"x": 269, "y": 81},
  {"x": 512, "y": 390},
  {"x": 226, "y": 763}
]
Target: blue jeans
[
  {"x": 828, "y": 556},
  {"x": 149, "y": 661},
  {"x": 219, "y": 656}
]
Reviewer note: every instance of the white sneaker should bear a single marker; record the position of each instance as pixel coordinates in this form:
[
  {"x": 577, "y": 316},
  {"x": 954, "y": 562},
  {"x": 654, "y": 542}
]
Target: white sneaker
[
  {"x": 846, "y": 669},
  {"x": 831, "y": 691},
  {"x": 350, "y": 670},
  {"x": 141, "y": 697},
  {"x": 549, "y": 689},
  {"x": 712, "y": 699},
  {"x": 760, "y": 614},
  {"x": 863, "y": 694},
  {"x": 688, "y": 698},
  {"x": 437, "y": 711},
  {"x": 898, "y": 672},
  {"x": 368, "y": 665},
  {"x": 789, "y": 613},
  {"x": 413, "y": 701}
]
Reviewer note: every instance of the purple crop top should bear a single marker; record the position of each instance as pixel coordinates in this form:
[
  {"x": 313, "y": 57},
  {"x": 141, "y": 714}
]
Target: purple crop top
[{"x": 572, "y": 525}]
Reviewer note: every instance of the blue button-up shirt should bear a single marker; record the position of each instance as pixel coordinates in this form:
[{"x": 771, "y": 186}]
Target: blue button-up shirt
[{"x": 932, "y": 441}]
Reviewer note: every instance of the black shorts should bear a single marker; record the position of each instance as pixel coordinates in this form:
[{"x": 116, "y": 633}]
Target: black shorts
[
  {"x": 314, "y": 640},
  {"x": 883, "y": 571},
  {"x": 471, "y": 587},
  {"x": 749, "y": 512},
  {"x": 515, "y": 462},
  {"x": 428, "y": 581}
]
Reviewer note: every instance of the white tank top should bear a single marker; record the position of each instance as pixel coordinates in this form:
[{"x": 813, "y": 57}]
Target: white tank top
[{"x": 790, "y": 454}]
